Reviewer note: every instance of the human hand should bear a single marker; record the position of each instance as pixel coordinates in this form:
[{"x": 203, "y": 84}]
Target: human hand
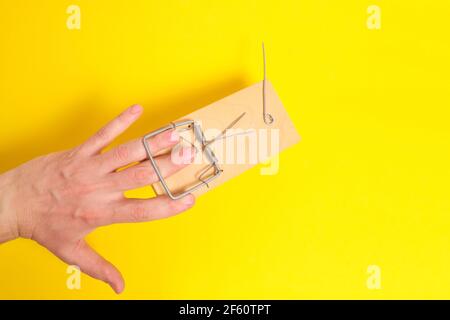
[{"x": 60, "y": 198}]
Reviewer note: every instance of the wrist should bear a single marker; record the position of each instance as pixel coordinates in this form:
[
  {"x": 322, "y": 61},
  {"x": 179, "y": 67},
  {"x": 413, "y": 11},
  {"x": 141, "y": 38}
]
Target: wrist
[{"x": 8, "y": 219}]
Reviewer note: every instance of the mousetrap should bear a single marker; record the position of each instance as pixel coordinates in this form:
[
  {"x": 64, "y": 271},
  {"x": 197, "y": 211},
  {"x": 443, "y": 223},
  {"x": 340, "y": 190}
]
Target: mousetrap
[{"x": 229, "y": 136}]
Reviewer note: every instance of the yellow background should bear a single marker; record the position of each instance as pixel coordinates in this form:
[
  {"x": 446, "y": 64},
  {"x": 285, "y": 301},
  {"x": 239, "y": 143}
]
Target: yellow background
[{"x": 368, "y": 184}]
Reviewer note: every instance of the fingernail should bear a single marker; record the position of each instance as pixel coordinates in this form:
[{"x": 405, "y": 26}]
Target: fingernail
[
  {"x": 188, "y": 200},
  {"x": 174, "y": 136},
  {"x": 136, "y": 109},
  {"x": 118, "y": 290},
  {"x": 182, "y": 156},
  {"x": 187, "y": 154}
]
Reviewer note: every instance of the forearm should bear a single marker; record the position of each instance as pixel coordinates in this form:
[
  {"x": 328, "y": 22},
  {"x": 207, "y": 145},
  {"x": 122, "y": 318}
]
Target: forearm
[{"x": 8, "y": 220}]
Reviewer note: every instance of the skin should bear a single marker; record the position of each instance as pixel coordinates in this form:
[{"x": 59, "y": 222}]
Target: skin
[{"x": 58, "y": 199}]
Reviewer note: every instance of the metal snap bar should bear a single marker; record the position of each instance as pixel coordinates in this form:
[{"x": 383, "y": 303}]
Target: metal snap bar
[
  {"x": 267, "y": 117},
  {"x": 199, "y": 133}
]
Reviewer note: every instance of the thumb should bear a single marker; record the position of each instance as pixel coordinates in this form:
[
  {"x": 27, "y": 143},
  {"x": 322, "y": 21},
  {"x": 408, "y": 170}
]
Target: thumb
[{"x": 94, "y": 265}]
